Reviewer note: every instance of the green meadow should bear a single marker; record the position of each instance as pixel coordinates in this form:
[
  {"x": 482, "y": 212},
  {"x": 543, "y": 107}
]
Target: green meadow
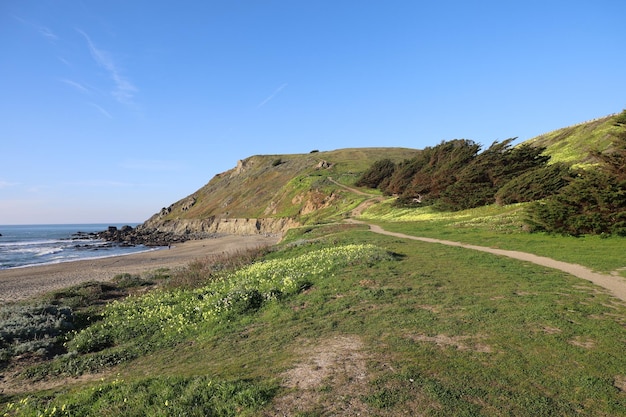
[{"x": 337, "y": 320}]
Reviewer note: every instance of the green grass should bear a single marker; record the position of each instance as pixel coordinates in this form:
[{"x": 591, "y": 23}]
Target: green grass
[
  {"x": 573, "y": 144},
  {"x": 261, "y": 188},
  {"x": 171, "y": 396},
  {"x": 443, "y": 330},
  {"x": 501, "y": 227}
]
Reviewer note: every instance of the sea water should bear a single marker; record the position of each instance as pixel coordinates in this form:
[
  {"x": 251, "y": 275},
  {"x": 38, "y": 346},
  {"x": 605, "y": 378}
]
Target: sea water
[{"x": 28, "y": 245}]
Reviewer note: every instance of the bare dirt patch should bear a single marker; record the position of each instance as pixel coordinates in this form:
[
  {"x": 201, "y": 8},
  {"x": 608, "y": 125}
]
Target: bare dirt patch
[
  {"x": 620, "y": 382},
  {"x": 13, "y": 383},
  {"x": 432, "y": 309},
  {"x": 583, "y": 342},
  {"x": 458, "y": 342},
  {"x": 368, "y": 283},
  {"x": 551, "y": 330},
  {"x": 329, "y": 379}
]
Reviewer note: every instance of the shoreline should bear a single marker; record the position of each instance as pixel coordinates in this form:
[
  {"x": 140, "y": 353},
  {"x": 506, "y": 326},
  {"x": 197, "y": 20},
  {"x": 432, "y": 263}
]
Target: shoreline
[
  {"x": 148, "y": 249},
  {"x": 18, "y": 284}
]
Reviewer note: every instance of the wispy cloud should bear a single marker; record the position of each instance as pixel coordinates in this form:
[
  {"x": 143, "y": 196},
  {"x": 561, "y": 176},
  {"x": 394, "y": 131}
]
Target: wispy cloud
[
  {"x": 7, "y": 184},
  {"x": 76, "y": 85},
  {"x": 271, "y": 96},
  {"x": 43, "y": 30},
  {"x": 47, "y": 33},
  {"x": 124, "y": 91},
  {"x": 101, "y": 110},
  {"x": 65, "y": 61}
]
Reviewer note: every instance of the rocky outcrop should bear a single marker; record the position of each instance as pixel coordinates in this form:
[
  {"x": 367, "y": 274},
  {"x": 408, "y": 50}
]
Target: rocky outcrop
[
  {"x": 218, "y": 226},
  {"x": 128, "y": 236}
]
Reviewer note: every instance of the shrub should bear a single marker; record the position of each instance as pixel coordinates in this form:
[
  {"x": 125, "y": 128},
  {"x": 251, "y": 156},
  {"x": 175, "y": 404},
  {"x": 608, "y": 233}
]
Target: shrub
[
  {"x": 432, "y": 170},
  {"x": 534, "y": 185},
  {"x": 130, "y": 281},
  {"x": 376, "y": 174},
  {"x": 592, "y": 203},
  {"x": 32, "y": 328}
]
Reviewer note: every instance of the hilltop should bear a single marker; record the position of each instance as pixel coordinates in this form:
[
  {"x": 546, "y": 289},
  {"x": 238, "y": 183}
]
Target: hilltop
[{"x": 272, "y": 193}]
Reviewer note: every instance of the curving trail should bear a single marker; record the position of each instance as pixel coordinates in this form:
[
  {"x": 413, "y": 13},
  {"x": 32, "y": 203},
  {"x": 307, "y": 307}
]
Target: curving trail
[{"x": 615, "y": 284}]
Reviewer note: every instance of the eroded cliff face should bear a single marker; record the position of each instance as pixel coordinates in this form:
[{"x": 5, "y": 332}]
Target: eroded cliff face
[{"x": 210, "y": 226}]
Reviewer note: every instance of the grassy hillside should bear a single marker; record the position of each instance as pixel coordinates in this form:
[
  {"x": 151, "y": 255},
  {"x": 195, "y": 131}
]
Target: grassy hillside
[
  {"x": 298, "y": 187},
  {"x": 573, "y": 144},
  {"x": 340, "y": 321},
  {"x": 293, "y": 186}
]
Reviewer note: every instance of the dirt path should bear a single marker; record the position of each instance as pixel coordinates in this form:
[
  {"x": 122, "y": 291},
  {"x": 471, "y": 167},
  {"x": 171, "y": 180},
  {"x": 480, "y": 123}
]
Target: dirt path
[
  {"x": 365, "y": 204},
  {"x": 615, "y": 284}
]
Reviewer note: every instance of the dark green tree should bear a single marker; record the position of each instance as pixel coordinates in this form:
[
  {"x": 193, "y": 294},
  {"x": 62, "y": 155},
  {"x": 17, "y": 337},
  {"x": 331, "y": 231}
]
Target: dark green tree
[
  {"x": 424, "y": 177},
  {"x": 592, "y": 203},
  {"x": 478, "y": 181},
  {"x": 535, "y": 184},
  {"x": 377, "y": 173}
]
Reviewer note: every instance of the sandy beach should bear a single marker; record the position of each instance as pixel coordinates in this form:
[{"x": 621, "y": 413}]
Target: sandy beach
[{"x": 22, "y": 283}]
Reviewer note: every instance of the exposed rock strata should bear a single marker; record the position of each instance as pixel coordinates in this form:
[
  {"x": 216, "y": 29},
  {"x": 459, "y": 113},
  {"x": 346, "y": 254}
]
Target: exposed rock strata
[
  {"x": 212, "y": 225},
  {"x": 156, "y": 232}
]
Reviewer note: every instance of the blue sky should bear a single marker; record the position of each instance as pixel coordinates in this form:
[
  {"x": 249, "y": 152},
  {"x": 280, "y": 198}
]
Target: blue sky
[{"x": 113, "y": 109}]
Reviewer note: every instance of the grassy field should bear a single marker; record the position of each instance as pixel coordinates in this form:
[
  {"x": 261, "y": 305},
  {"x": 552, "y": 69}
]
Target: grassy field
[
  {"x": 502, "y": 227},
  {"x": 341, "y": 321}
]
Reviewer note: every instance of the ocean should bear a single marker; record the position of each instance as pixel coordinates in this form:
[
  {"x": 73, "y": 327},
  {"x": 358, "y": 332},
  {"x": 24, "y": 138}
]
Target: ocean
[{"x": 29, "y": 245}]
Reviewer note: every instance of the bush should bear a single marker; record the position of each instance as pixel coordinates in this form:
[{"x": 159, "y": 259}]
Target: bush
[
  {"x": 535, "y": 185},
  {"x": 592, "y": 203},
  {"x": 376, "y": 174},
  {"x": 240, "y": 302},
  {"x": 130, "y": 281},
  {"x": 32, "y": 328}
]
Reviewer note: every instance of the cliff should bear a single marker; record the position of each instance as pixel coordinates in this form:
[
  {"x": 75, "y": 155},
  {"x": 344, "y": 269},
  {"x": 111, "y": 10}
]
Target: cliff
[{"x": 268, "y": 194}]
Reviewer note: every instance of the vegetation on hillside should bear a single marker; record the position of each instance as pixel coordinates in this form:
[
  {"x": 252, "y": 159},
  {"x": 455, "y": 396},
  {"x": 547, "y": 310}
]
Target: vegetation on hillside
[
  {"x": 279, "y": 186},
  {"x": 337, "y": 320},
  {"x": 456, "y": 175},
  {"x": 575, "y": 145},
  {"x": 430, "y": 328},
  {"x": 593, "y": 202}
]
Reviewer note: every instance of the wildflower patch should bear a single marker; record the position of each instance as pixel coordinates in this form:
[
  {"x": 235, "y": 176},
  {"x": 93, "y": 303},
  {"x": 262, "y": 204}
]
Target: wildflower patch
[{"x": 164, "y": 316}]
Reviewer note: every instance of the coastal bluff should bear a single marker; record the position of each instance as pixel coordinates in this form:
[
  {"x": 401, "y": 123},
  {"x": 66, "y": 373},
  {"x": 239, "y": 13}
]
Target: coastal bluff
[
  {"x": 264, "y": 195},
  {"x": 218, "y": 226}
]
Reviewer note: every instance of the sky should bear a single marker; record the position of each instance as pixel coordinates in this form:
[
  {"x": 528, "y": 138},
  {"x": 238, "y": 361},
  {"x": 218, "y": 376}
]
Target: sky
[{"x": 111, "y": 110}]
